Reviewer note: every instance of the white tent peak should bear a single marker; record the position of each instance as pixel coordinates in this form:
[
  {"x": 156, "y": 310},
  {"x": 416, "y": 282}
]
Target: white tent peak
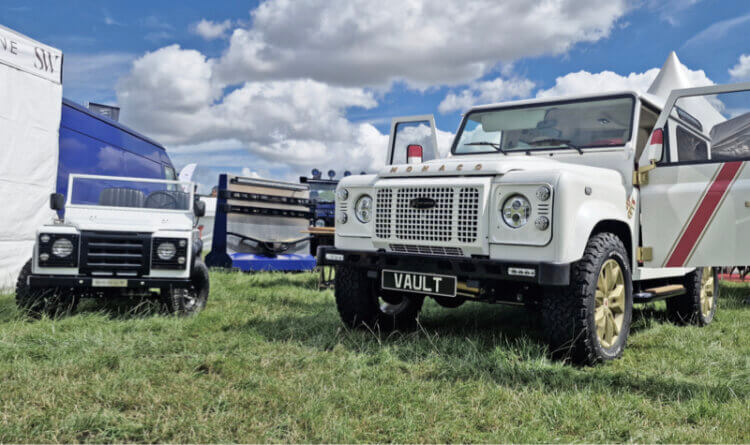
[{"x": 673, "y": 75}]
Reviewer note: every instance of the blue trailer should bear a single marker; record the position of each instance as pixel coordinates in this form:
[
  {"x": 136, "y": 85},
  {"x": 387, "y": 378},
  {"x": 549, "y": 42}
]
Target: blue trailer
[{"x": 96, "y": 145}]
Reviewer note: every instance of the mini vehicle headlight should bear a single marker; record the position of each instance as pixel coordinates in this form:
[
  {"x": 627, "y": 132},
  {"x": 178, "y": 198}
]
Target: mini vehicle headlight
[
  {"x": 320, "y": 223},
  {"x": 166, "y": 251},
  {"x": 62, "y": 248},
  {"x": 363, "y": 209},
  {"x": 343, "y": 218},
  {"x": 543, "y": 193},
  {"x": 542, "y": 223},
  {"x": 516, "y": 211},
  {"x": 342, "y": 194}
]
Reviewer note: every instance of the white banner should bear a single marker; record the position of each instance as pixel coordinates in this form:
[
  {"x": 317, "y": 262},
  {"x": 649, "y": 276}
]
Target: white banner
[{"x": 30, "y": 56}]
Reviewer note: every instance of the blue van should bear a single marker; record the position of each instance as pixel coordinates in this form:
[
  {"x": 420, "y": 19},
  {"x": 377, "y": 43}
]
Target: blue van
[{"x": 96, "y": 145}]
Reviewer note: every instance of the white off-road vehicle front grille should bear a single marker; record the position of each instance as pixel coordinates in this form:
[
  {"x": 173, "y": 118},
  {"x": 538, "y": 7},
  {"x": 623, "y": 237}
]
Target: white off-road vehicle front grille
[
  {"x": 427, "y": 250},
  {"x": 454, "y": 217}
]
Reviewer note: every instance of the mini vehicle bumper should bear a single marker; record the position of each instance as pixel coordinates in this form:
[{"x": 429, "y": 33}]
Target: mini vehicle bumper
[
  {"x": 73, "y": 281},
  {"x": 545, "y": 274}
]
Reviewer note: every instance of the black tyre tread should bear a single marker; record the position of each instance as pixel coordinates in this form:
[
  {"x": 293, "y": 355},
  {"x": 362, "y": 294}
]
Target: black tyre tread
[
  {"x": 200, "y": 279},
  {"x": 565, "y": 314},
  {"x": 357, "y": 303},
  {"x": 34, "y": 304},
  {"x": 686, "y": 309}
]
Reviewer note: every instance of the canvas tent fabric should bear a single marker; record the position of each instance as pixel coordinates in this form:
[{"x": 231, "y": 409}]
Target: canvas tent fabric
[{"x": 30, "y": 108}]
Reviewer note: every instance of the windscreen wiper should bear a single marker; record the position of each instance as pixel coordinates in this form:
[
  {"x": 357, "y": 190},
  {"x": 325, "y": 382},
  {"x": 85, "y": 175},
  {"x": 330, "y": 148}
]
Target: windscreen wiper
[
  {"x": 491, "y": 144},
  {"x": 553, "y": 141}
]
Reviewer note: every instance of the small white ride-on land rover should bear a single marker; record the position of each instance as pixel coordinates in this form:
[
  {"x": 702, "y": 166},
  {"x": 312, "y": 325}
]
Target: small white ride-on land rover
[
  {"x": 120, "y": 237},
  {"x": 577, "y": 207}
]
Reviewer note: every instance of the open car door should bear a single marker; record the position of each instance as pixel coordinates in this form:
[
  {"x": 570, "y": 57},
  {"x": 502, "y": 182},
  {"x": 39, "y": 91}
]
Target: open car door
[
  {"x": 409, "y": 133},
  {"x": 694, "y": 181}
]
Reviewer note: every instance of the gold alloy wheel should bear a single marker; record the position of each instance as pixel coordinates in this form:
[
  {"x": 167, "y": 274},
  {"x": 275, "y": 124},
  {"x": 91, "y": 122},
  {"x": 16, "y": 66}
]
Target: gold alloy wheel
[
  {"x": 610, "y": 303},
  {"x": 707, "y": 291}
]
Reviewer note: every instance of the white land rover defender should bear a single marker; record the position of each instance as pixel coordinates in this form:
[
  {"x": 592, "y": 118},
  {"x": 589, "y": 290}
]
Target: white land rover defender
[
  {"x": 578, "y": 207},
  {"x": 119, "y": 237}
]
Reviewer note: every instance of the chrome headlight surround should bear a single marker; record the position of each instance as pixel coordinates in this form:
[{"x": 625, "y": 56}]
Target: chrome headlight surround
[
  {"x": 342, "y": 194},
  {"x": 58, "y": 249},
  {"x": 516, "y": 211},
  {"x": 363, "y": 209}
]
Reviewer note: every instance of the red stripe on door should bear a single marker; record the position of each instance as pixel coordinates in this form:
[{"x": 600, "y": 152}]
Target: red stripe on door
[{"x": 703, "y": 213}]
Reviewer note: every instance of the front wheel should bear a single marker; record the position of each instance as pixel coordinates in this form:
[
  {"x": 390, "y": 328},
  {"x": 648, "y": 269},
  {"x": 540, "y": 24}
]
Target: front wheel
[
  {"x": 589, "y": 321},
  {"x": 191, "y": 299},
  {"x": 35, "y": 302},
  {"x": 697, "y": 306},
  {"x": 360, "y": 304}
]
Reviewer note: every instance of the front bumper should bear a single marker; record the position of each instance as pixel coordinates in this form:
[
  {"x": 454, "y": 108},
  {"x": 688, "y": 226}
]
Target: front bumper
[
  {"x": 545, "y": 274},
  {"x": 73, "y": 281}
]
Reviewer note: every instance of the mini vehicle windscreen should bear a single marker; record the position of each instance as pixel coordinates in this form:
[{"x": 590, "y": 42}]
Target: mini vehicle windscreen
[
  {"x": 604, "y": 122},
  {"x": 127, "y": 193}
]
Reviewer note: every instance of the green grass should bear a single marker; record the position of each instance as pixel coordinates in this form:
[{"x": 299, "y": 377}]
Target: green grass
[{"x": 269, "y": 361}]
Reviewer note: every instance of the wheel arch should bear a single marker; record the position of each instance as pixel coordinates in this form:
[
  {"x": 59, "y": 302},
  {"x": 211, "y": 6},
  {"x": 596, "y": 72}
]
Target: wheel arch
[{"x": 620, "y": 229}]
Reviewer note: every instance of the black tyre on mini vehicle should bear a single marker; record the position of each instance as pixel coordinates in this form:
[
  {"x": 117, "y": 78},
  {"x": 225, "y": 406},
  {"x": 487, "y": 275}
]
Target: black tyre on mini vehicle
[
  {"x": 52, "y": 302},
  {"x": 698, "y": 305},
  {"x": 360, "y": 304},
  {"x": 192, "y": 299},
  {"x": 588, "y": 321}
]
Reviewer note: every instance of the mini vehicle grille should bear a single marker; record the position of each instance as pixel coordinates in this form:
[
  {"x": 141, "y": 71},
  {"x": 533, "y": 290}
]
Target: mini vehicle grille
[
  {"x": 122, "y": 254},
  {"x": 427, "y": 250},
  {"x": 453, "y": 218}
]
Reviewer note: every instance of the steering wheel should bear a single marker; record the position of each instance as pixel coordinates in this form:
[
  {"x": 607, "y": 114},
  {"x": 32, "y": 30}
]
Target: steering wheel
[{"x": 161, "y": 200}]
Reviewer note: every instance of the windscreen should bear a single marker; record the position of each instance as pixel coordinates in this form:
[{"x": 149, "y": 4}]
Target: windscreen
[
  {"x": 126, "y": 193},
  {"x": 322, "y": 191},
  {"x": 605, "y": 122}
]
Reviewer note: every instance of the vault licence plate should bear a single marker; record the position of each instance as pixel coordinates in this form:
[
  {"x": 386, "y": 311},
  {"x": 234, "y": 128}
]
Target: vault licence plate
[
  {"x": 421, "y": 283},
  {"x": 109, "y": 282}
]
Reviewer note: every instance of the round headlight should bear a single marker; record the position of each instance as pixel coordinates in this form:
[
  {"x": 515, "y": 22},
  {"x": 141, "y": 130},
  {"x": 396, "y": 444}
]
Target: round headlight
[
  {"x": 363, "y": 209},
  {"x": 516, "y": 211},
  {"x": 166, "y": 251},
  {"x": 342, "y": 194},
  {"x": 542, "y": 223},
  {"x": 543, "y": 193},
  {"x": 62, "y": 248},
  {"x": 320, "y": 222},
  {"x": 343, "y": 218},
  {"x": 44, "y": 238}
]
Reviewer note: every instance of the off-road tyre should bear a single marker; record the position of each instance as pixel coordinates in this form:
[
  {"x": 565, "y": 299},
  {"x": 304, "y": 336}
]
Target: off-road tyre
[
  {"x": 192, "y": 299},
  {"x": 568, "y": 314},
  {"x": 359, "y": 306},
  {"x": 53, "y": 302},
  {"x": 687, "y": 309},
  {"x": 449, "y": 302}
]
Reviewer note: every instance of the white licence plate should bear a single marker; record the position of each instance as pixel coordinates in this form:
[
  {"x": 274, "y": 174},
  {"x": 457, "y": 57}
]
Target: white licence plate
[{"x": 109, "y": 282}]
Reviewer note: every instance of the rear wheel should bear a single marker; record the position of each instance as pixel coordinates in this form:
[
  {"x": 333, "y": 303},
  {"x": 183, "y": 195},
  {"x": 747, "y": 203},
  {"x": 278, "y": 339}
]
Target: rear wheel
[
  {"x": 192, "y": 299},
  {"x": 698, "y": 305},
  {"x": 361, "y": 304},
  {"x": 589, "y": 321},
  {"x": 35, "y": 302}
]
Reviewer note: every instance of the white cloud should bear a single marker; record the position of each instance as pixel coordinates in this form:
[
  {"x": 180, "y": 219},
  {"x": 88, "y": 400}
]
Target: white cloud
[
  {"x": 717, "y": 31},
  {"x": 211, "y": 30},
  {"x": 741, "y": 71},
  {"x": 487, "y": 92},
  {"x": 92, "y": 77},
  {"x": 171, "y": 95},
  {"x": 423, "y": 42}
]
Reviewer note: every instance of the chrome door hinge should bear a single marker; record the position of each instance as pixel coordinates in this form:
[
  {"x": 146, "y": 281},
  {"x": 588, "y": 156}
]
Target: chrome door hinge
[{"x": 640, "y": 176}]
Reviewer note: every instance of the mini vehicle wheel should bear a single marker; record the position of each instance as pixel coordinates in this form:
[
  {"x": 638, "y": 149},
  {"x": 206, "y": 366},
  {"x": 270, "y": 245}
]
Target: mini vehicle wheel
[
  {"x": 449, "y": 302},
  {"x": 361, "y": 304},
  {"x": 53, "y": 302},
  {"x": 192, "y": 299},
  {"x": 589, "y": 321},
  {"x": 698, "y": 305}
]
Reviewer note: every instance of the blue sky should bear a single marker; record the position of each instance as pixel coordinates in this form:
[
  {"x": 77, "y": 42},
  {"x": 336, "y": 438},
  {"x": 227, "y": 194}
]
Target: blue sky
[{"x": 275, "y": 88}]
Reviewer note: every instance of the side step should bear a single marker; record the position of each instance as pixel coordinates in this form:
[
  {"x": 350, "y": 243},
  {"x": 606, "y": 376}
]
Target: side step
[{"x": 659, "y": 293}]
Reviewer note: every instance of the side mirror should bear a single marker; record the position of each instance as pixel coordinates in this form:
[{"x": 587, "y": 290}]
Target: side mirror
[
  {"x": 199, "y": 208},
  {"x": 57, "y": 201}
]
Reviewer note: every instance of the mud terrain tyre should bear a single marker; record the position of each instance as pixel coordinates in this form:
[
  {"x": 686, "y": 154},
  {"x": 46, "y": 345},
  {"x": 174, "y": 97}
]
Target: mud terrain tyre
[
  {"x": 53, "y": 302},
  {"x": 191, "y": 300},
  {"x": 588, "y": 321},
  {"x": 698, "y": 305},
  {"x": 360, "y": 306}
]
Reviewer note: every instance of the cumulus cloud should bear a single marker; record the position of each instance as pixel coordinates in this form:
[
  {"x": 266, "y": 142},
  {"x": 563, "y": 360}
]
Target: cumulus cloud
[
  {"x": 741, "y": 71},
  {"x": 491, "y": 91},
  {"x": 211, "y": 30},
  {"x": 422, "y": 42}
]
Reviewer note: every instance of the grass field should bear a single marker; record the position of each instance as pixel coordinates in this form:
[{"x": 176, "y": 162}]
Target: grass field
[{"x": 269, "y": 360}]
